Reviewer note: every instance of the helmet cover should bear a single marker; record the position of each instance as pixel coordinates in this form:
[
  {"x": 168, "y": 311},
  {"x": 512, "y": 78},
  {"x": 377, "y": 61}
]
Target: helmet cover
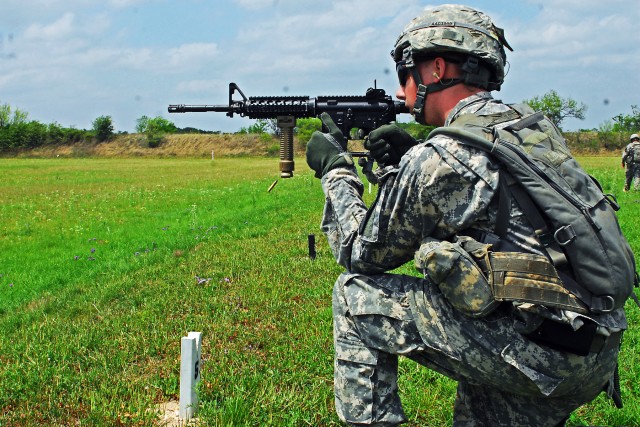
[{"x": 455, "y": 29}]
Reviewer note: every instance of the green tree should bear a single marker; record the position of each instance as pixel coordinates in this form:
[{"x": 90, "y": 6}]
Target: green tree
[
  {"x": 155, "y": 129},
  {"x": 260, "y": 126},
  {"x": 157, "y": 124},
  {"x": 8, "y": 118},
  {"x": 557, "y": 108},
  {"x": 103, "y": 128},
  {"x": 305, "y": 128},
  {"x": 628, "y": 122},
  {"x": 160, "y": 125},
  {"x": 141, "y": 124}
]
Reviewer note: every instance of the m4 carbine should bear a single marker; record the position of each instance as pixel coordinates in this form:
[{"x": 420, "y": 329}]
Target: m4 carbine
[{"x": 364, "y": 113}]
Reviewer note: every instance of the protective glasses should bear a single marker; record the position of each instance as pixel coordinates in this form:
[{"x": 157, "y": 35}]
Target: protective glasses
[{"x": 403, "y": 72}]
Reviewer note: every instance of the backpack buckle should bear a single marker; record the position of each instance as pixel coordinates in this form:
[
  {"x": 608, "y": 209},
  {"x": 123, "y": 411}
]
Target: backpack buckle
[
  {"x": 613, "y": 202},
  {"x": 602, "y": 304},
  {"x": 564, "y": 235}
]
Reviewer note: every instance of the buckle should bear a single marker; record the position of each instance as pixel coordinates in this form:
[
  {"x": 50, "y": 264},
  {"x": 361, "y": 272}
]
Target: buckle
[
  {"x": 545, "y": 238},
  {"x": 564, "y": 235},
  {"x": 602, "y": 304}
]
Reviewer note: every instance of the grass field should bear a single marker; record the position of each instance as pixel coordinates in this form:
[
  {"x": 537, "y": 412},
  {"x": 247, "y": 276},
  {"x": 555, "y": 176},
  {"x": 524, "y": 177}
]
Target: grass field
[{"x": 106, "y": 263}]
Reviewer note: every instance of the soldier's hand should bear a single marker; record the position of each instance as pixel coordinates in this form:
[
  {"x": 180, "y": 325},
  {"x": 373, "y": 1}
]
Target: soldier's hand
[
  {"x": 389, "y": 143},
  {"x": 327, "y": 151}
]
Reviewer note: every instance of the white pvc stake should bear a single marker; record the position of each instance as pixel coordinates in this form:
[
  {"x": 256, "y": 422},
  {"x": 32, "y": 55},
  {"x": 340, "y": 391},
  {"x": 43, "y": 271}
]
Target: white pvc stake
[{"x": 191, "y": 346}]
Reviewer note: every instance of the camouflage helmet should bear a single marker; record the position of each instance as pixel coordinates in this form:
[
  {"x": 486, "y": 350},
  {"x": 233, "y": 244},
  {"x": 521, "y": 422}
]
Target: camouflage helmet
[
  {"x": 634, "y": 137},
  {"x": 461, "y": 31}
]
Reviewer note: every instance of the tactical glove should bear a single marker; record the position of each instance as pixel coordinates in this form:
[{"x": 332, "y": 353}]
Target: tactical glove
[
  {"x": 388, "y": 144},
  {"x": 327, "y": 151}
]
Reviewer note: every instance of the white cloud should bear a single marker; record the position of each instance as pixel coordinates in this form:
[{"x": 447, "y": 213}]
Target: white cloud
[
  {"x": 570, "y": 39},
  {"x": 59, "y": 29},
  {"x": 190, "y": 49}
]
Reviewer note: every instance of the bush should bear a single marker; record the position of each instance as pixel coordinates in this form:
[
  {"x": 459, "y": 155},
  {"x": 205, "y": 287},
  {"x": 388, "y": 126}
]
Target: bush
[
  {"x": 305, "y": 128},
  {"x": 103, "y": 128},
  {"x": 23, "y": 135},
  {"x": 155, "y": 129},
  {"x": 154, "y": 139}
]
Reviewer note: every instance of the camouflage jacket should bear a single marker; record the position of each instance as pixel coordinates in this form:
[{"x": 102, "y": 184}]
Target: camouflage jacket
[
  {"x": 631, "y": 154},
  {"x": 441, "y": 188}
]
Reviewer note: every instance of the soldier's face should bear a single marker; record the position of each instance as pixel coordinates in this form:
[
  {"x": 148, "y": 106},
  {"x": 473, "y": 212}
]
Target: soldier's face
[{"x": 408, "y": 91}]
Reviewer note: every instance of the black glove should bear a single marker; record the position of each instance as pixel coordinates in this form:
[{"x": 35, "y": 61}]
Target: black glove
[
  {"x": 388, "y": 144},
  {"x": 327, "y": 151}
]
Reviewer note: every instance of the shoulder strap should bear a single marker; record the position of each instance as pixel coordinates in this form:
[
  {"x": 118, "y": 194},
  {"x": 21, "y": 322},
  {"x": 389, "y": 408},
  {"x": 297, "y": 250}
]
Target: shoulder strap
[{"x": 525, "y": 122}]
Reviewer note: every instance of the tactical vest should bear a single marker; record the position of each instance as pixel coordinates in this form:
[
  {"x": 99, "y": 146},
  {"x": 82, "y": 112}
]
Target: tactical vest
[{"x": 573, "y": 220}]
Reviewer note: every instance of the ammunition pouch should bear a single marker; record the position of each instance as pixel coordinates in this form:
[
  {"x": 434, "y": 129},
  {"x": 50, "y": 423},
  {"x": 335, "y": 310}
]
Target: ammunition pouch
[
  {"x": 455, "y": 269},
  {"x": 475, "y": 280}
]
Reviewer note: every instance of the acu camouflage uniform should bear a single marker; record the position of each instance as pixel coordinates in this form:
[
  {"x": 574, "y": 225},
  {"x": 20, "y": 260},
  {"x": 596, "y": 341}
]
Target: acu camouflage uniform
[
  {"x": 440, "y": 189},
  {"x": 631, "y": 159}
]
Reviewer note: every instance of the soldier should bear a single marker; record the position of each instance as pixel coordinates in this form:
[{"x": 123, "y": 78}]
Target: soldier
[
  {"x": 430, "y": 194},
  {"x": 631, "y": 159}
]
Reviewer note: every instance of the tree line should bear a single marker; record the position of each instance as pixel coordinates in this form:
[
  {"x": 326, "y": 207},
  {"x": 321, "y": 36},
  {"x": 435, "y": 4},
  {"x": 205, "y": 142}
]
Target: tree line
[{"x": 18, "y": 132}]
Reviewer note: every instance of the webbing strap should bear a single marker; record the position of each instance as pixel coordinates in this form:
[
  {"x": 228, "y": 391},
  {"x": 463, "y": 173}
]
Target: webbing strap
[
  {"x": 504, "y": 206},
  {"x": 597, "y": 304},
  {"x": 529, "y": 278},
  {"x": 545, "y": 235}
]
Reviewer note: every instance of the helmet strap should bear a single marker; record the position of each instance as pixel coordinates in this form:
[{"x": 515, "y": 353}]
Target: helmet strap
[
  {"x": 421, "y": 96},
  {"x": 424, "y": 90}
]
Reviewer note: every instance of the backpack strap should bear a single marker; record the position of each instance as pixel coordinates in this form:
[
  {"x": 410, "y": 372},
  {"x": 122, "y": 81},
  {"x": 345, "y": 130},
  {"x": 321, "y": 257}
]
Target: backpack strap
[{"x": 549, "y": 239}]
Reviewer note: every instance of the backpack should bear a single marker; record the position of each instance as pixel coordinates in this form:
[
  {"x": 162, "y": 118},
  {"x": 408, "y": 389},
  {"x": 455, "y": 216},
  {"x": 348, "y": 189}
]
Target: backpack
[
  {"x": 574, "y": 221},
  {"x": 634, "y": 153}
]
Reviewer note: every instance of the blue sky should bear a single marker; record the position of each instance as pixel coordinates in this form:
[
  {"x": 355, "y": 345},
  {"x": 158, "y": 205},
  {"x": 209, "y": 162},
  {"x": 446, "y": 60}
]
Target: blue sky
[{"x": 70, "y": 61}]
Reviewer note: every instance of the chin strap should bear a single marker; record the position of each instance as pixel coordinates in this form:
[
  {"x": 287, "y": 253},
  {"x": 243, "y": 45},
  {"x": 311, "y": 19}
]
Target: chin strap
[{"x": 424, "y": 90}]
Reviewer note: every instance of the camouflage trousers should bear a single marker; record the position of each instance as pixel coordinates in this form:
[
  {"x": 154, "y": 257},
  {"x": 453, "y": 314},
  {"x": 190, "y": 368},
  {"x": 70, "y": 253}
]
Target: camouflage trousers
[
  {"x": 632, "y": 174},
  {"x": 503, "y": 378}
]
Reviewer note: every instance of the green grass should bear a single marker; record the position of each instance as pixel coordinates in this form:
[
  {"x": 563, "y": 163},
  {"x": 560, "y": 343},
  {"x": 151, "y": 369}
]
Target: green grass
[{"x": 106, "y": 264}]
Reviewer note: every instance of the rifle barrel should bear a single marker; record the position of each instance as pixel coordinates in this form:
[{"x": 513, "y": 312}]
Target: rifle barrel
[{"x": 181, "y": 108}]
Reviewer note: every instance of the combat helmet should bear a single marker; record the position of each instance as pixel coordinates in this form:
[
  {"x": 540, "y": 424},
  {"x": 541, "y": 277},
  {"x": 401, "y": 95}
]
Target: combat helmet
[
  {"x": 634, "y": 137},
  {"x": 458, "y": 33}
]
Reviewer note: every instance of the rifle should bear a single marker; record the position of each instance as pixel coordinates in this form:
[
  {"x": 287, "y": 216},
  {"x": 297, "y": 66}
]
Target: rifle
[{"x": 364, "y": 113}]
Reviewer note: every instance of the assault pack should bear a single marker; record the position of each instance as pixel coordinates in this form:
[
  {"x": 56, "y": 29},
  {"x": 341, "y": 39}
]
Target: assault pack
[
  {"x": 632, "y": 154},
  {"x": 574, "y": 221}
]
